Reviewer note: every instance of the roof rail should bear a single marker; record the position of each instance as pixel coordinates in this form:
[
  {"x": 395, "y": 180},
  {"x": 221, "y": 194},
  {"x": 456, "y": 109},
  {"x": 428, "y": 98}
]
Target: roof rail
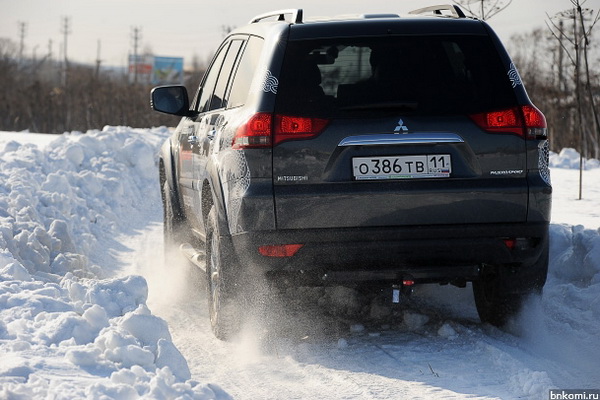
[
  {"x": 454, "y": 10},
  {"x": 280, "y": 14}
]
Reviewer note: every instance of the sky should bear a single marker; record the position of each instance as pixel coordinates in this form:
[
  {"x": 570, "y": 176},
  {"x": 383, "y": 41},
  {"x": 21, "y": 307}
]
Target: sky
[{"x": 104, "y": 29}]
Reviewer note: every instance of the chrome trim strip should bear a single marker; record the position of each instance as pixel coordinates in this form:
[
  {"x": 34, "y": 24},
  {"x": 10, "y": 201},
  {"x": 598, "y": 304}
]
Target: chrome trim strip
[{"x": 391, "y": 139}]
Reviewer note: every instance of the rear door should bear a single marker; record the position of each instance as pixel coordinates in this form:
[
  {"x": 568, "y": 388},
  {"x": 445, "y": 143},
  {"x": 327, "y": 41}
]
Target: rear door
[
  {"x": 191, "y": 139},
  {"x": 398, "y": 134},
  {"x": 212, "y": 105}
]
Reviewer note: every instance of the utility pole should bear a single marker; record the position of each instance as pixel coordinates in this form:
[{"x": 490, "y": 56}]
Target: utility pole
[
  {"x": 22, "y": 31},
  {"x": 135, "y": 36},
  {"x": 98, "y": 60},
  {"x": 66, "y": 31}
]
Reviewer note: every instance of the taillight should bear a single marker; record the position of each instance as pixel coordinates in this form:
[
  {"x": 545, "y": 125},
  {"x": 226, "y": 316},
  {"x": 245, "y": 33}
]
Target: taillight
[
  {"x": 263, "y": 129},
  {"x": 256, "y": 132},
  {"x": 503, "y": 121},
  {"x": 279, "y": 250},
  {"x": 294, "y": 128},
  {"x": 526, "y": 121},
  {"x": 535, "y": 123}
]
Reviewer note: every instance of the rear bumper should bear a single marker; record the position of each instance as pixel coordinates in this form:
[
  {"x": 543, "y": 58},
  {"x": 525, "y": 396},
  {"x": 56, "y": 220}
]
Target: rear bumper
[{"x": 423, "y": 253}]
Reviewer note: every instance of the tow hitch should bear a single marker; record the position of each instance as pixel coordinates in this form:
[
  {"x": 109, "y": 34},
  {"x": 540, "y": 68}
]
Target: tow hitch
[{"x": 402, "y": 291}]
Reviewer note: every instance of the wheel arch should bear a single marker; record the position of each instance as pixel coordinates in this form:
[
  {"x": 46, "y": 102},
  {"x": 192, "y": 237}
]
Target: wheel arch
[
  {"x": 167, "y": 175},
  {"x": 213, "y": 196}
]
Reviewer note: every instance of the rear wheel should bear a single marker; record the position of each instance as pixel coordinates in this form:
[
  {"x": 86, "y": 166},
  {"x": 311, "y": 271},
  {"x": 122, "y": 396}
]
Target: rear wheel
[
  {"x": 224, "y": 296},
  {"x": 500, "y": 292}
]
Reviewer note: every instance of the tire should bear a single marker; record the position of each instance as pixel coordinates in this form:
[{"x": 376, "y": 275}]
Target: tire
[
  {"x": 224, "y": 294},
  {"x": 500, "y": 293}
]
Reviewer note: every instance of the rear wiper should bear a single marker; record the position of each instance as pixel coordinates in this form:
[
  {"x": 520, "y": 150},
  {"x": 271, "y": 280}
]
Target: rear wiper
[{"x": 386, "y": 105}]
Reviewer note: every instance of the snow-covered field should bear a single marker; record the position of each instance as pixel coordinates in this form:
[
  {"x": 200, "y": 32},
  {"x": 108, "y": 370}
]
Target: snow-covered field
[{"x": 89, "y": 308}]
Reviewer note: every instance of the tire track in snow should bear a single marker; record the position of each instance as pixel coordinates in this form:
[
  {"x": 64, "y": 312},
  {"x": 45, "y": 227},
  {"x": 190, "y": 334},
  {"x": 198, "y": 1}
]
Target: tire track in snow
[{"x": 481, "y": 362}]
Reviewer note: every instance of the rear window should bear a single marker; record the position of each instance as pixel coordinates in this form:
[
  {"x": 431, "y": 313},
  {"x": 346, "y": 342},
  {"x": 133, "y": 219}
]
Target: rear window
[{"x": 422, "y": 74}]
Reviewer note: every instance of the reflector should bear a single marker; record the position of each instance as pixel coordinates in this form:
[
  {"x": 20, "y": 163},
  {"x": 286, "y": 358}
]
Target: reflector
[
  {"x": 279, "y": 250},
  {"x": 510, "y": 243}
]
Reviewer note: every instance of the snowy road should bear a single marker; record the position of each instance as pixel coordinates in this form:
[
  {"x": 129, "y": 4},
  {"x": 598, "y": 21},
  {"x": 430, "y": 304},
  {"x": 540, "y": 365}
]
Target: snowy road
[
  {"x": 81, "y": 216},
  {"x": 435, "y": 348}
]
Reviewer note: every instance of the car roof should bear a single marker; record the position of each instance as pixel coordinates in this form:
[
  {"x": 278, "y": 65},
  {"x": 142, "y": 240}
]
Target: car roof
[{"x": 430, "y": 20}]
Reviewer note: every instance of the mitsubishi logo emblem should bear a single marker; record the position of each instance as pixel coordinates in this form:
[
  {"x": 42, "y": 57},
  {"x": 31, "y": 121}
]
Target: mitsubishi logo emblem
[{"x": 401, "y": 128}]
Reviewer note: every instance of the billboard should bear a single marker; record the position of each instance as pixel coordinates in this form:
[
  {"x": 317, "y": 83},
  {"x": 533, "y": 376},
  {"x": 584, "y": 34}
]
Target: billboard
[
  {"x": 167, "y": 70},
  {"x": 155, "y": 70}
]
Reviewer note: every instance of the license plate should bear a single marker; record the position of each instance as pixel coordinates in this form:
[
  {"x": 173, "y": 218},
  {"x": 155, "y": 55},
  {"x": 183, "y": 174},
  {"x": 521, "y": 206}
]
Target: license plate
[{"x": 402, "y": 167}]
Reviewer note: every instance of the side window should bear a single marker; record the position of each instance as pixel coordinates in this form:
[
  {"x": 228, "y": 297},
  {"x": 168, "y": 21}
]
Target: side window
[
  {"x": 245, "y": 72},
  {"x": 219, "y": 99},
  {"x": 210, "y": 81}
]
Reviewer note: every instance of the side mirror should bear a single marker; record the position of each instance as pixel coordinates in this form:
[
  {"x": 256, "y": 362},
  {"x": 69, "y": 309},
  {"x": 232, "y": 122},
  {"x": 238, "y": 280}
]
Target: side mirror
[{"x": 170, "y": 100}]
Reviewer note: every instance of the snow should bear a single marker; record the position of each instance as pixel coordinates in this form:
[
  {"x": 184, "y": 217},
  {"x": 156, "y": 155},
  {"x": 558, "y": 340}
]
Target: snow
[
  {"x": 569, "y": 158},
  {"x": 88, "y": 308},
  {"x": 71, "y": 326},
  {"x": 569, "y": 210}
]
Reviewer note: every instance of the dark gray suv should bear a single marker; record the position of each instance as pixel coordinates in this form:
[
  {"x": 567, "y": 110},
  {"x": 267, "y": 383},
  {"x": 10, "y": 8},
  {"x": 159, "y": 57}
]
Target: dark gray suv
[{"x": 378, "y": 151}]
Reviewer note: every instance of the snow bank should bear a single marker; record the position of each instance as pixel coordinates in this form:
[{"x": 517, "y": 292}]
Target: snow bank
[
  {"x": 569, "y": 158},
  {"x": 68, "y": 328},
  {"x": 568, "y": 313}
]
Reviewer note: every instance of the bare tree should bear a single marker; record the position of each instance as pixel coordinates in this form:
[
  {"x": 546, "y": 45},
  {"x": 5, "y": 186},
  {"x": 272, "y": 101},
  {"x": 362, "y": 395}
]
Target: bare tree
[
  {"x": 8, "y": 49},
  {"x": 576, "y": 46},
  {"x": 484, "y": 9}
]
